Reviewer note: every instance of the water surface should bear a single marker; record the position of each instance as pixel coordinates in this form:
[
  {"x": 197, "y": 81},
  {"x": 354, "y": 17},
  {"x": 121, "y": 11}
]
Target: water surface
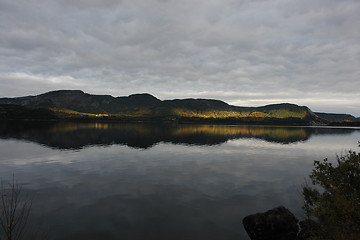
[{"x": 149, "y": 181}]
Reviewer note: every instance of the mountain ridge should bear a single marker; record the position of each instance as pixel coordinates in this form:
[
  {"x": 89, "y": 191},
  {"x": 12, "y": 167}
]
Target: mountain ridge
[
  {"x": 76, "y": 104},
  {"x": 337, "y": 117}
]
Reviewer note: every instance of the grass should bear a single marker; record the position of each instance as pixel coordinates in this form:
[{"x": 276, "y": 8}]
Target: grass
[
  {"x": 183, "y": 113},
  {"x": 279, "y": 113}
]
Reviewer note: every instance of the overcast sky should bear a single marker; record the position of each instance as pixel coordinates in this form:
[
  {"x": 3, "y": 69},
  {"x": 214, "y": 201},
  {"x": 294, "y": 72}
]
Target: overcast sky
[{"x": 244, "y": 52}]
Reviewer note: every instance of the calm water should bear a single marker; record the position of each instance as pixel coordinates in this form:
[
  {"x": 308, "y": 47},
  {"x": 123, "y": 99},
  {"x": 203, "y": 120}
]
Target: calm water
[{"x": 147, "y": 181}]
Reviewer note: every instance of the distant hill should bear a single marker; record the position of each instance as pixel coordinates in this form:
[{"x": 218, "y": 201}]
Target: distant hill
[
  {"x": 335, "y": 117},
  {"x": 79, "y": 101},
  {"x": 75, "y": 104}
]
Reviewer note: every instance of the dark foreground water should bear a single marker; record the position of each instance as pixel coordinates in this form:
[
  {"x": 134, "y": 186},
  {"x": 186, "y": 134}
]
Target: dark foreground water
[{"x": 147, "y": 181}]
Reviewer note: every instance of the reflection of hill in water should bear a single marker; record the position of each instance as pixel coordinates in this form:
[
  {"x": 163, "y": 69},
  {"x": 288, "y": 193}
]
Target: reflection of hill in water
[{"x": 78, "y": 135}]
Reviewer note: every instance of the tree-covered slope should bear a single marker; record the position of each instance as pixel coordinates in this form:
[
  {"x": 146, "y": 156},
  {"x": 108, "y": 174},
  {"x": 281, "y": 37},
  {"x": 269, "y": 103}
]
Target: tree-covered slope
[
  {"x": 335, "y": 117},
  {"x": 12, "y": 111}
]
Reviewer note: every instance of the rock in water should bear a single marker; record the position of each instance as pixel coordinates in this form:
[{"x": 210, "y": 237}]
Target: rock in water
[{"x": 276, "y": 224}]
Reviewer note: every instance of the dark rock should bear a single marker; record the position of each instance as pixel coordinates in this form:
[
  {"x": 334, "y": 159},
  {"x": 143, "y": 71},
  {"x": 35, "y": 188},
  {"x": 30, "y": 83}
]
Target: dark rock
[{"x": 276, "y": 224}]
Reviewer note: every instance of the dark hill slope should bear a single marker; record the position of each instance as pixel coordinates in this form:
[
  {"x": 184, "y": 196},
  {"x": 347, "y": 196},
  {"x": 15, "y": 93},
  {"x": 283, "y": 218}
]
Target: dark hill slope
[
  {"x": 68, "y": 99},
  {"x": 17, "y": 112},
  {"x": 334, "y": 117},
  {"x": 198, "y": 104},
  {"x": 77, "y": 100}
]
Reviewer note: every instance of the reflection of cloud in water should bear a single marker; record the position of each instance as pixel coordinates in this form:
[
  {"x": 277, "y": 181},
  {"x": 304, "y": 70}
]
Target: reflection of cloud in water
[{"x": 128, "y": 197}]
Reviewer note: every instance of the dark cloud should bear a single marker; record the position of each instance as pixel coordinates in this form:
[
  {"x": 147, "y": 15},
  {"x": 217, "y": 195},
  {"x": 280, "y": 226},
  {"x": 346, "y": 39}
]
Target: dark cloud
[{"x": 247, "y": 52}]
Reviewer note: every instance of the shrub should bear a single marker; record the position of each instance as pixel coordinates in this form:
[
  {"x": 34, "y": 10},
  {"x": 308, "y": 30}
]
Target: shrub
[{"x": 333, "y": 202}]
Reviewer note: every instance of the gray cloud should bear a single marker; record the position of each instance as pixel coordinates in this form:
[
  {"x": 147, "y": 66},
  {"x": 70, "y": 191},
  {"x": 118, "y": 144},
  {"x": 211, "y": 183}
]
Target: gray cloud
[{"x": 243, "y": 52}]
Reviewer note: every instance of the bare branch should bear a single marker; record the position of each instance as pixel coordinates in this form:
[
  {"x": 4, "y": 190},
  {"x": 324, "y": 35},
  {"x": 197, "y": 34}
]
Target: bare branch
[{"x": 14, "y": 211}]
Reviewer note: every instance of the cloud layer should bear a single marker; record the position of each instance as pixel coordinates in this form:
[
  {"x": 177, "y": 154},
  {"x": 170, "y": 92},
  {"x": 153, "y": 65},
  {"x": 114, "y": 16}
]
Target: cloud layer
[{"x": 245, "y": 52}]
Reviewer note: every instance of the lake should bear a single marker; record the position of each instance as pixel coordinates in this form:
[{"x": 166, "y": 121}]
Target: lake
[{"x": 161, "y": 181}]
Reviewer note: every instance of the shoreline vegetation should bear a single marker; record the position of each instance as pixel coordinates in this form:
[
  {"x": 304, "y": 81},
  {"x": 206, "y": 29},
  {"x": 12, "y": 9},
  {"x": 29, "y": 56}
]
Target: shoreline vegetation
[{"x": 332, "y": 200}]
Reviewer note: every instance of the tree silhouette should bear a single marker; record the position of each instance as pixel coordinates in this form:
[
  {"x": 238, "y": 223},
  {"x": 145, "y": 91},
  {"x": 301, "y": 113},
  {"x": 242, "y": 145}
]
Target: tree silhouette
[
  {"x": 14, "y": 211},
  {"x": 333, "y": 202}
]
